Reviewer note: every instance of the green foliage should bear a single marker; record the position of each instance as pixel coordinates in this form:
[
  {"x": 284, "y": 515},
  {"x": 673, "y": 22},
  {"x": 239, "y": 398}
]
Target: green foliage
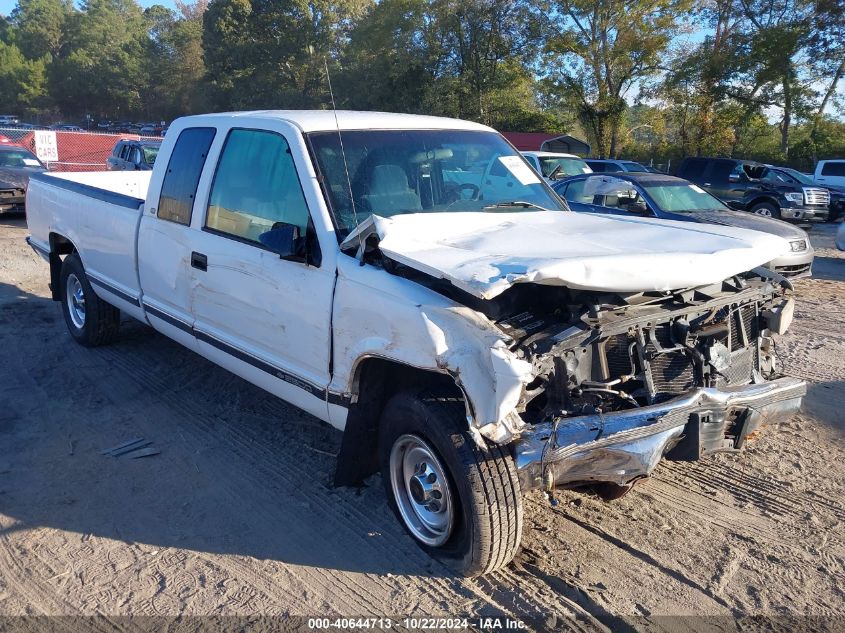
[
  {"x": 469, "y": 60},
  {"x": 620, "y": 72},
  {"x": 40, "y": 26},
  {"x": 104, "y": 70},
  {"x": 175, "y": 61},
  {"x": 271, "y": 53},
  {"x": 21, "y": 80},
  {"x": 600, "y": 49}
]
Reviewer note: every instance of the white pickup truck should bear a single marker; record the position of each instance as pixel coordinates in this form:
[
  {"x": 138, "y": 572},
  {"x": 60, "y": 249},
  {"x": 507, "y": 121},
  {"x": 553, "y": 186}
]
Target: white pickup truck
[{"x": 413, "y": 282}]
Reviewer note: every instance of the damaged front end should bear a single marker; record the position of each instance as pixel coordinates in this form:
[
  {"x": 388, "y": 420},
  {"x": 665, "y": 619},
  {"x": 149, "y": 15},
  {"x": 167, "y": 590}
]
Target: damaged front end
[
  {"x": 587, "y": 384},
  {"x": 622, "y": 381}
]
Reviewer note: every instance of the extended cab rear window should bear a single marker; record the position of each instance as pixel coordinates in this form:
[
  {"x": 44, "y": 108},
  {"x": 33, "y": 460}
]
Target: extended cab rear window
[
  {"x": 834, "y": 168},
  {"x": 179, "y": 188}
]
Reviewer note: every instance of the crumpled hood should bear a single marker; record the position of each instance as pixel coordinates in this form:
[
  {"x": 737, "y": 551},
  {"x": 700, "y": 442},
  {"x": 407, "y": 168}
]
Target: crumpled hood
[
  {"x": 486, "y": 253},
  {"x": 746, "y": 220}
]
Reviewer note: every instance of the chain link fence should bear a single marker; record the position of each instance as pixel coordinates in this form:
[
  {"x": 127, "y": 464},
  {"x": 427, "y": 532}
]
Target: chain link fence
[{"x": 77, "y": 151}]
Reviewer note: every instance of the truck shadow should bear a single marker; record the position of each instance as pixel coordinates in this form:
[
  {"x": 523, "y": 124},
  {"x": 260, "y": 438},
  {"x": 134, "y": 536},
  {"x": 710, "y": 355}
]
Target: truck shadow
[
  {"x": 239, "y": 472},
  {"x": 13, "y": 219}
]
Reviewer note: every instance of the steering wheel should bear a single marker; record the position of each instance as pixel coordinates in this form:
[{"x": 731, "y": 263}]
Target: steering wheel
[{"x": 475, "y": 189}]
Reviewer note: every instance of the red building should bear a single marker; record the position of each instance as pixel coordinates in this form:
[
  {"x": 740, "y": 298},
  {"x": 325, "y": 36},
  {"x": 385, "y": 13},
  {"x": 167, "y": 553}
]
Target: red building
[{"x": 539, "y": 141}]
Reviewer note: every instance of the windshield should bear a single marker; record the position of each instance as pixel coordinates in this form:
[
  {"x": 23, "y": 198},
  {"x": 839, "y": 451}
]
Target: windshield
[
  {"x": 19, "y": 158},
  {"x": 393, "y": 172},
  {"x": 682, "y": 197},
  {"x": 150, "y": 153},
  {"x": 797, "y": 175},
  {"x": 568, "y": 166},
  {"x": 632, "y": 166}
]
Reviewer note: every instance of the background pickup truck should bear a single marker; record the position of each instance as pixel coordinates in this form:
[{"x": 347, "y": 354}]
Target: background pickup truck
[
  {"x": 748, "y": 186},
  {"x": 413, "y": 282}
]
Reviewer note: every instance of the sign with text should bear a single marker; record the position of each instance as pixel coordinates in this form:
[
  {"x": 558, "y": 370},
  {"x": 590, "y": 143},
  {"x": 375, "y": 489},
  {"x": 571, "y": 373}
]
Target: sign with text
[{"x": 45, "y": 146}]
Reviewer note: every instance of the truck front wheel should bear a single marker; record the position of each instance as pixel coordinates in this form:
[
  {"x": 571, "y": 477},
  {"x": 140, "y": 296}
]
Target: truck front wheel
[
  {"x": 90, "y": 320},
  {"x": 461, "y": 503},
  {"x": 766, "y": 209}
]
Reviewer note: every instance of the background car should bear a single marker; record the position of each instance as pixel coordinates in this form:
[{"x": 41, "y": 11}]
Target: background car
[
  {"x": 560, "y": 165},
  {"x": 129, "y": 155},
  {"x": 17, "y": 164},
  {"x": 604, "y": 166},
  {"x": 671, "y": 198},
  {"x": 746, "y": 185},
  {"x": 830, "y": 173}
]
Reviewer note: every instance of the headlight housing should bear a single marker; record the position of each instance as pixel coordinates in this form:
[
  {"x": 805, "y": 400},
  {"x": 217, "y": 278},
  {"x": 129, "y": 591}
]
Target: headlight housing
[
  {"x": 798, "y": 245},
  {"x": 795, "y": 196}
]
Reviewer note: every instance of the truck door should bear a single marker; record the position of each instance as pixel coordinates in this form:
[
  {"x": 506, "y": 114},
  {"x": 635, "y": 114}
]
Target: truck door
[
  {"x": 265, "y": 318},
  {"x": 726, "y": 180},
  {"x": 164, "y": 249}
]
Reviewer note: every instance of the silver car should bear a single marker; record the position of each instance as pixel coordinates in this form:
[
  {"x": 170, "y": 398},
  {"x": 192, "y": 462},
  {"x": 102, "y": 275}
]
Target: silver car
[{"x": 671, "y": 198}]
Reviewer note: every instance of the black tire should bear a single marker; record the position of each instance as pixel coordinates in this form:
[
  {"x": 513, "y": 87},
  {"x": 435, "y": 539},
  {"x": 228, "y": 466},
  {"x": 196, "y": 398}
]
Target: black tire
[
  {"x": 100, "y": 321},
  {"x": 766, "y": 209},
  {"x": 487, "y": 511}
]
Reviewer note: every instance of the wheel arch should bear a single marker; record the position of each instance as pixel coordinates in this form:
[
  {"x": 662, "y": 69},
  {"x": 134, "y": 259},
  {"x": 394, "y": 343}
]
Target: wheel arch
[
  {"x": 374, "y": 381},
  {"x": 767, "y": 199},
  {"x": 60, "y": 245}
]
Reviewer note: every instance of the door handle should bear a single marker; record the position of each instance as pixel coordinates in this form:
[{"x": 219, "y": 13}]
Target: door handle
[
  {"x": 199, "y": 261},
  {"x": 706, "y": 184}
]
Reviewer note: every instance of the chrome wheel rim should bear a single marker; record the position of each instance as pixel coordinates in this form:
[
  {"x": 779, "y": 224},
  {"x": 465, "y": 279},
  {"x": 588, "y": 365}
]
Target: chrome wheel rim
[
  {"x": 422, "y": 491},
  {"x": 765, "y": 212},
  {"x": 75, "y": 301}
]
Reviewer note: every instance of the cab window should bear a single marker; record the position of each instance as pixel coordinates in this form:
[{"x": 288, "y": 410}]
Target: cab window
[
  {"x": 256, "y": 186},
  {"x": 179, "y": 188}
]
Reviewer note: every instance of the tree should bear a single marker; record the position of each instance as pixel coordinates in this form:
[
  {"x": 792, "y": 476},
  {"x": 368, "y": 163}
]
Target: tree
[
  {"x": 22, "y": 81},
  {"x": 40, "y": 26},
  {"x": 776, "y": 32},
  {"x": 271, "y": 53},
  {"x": 175, "y": 60},
  {"x": 601, "y": 49},
  {"x": 104, "y": 69},
  {"x": 826, "y": 50},
  {"x": 470, "y": 60}
]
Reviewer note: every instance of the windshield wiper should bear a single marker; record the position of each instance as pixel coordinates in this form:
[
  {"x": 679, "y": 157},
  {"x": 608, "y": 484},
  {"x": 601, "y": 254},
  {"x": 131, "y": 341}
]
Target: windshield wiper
[{"x": 516, "y": 203}]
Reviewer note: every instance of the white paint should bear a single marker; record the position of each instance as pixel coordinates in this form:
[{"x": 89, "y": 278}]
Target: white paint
[
  {"x": 484, "y": 253},
  {"x": 520, "y": 170},
  {"x": 45, "y": 146}
]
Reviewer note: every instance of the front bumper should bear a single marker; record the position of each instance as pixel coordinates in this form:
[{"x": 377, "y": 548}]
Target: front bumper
[
  {"x": 794, "y": 264},
  {"x": 627, "y": 445},
  {"x": 806, "y": 214},
  {"x": 12, "y": 200}
]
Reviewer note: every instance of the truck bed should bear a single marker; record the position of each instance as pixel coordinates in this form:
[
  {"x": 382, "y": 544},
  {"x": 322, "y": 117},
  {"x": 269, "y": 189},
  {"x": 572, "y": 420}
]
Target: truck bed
[{"x": 99, "y": 213}]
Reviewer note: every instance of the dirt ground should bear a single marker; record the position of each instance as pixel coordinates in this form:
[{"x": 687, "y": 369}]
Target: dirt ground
[{"x": 236, "y": 516}]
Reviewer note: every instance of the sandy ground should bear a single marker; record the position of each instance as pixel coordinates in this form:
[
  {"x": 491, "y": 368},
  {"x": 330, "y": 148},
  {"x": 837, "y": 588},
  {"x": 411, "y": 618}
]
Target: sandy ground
[{"x": 236, "y": 514}]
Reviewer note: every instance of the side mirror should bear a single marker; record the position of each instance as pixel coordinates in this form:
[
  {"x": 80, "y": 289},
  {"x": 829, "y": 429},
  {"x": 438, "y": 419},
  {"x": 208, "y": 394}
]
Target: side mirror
[
  {"x": 283, "y": 239},
  {"x": 734, "y": 178}
]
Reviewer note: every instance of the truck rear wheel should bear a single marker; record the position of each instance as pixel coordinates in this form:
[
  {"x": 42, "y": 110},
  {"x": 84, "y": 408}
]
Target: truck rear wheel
[
  {"x": 461, "y": 503},
  {"x": 90, "y": 320}
]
